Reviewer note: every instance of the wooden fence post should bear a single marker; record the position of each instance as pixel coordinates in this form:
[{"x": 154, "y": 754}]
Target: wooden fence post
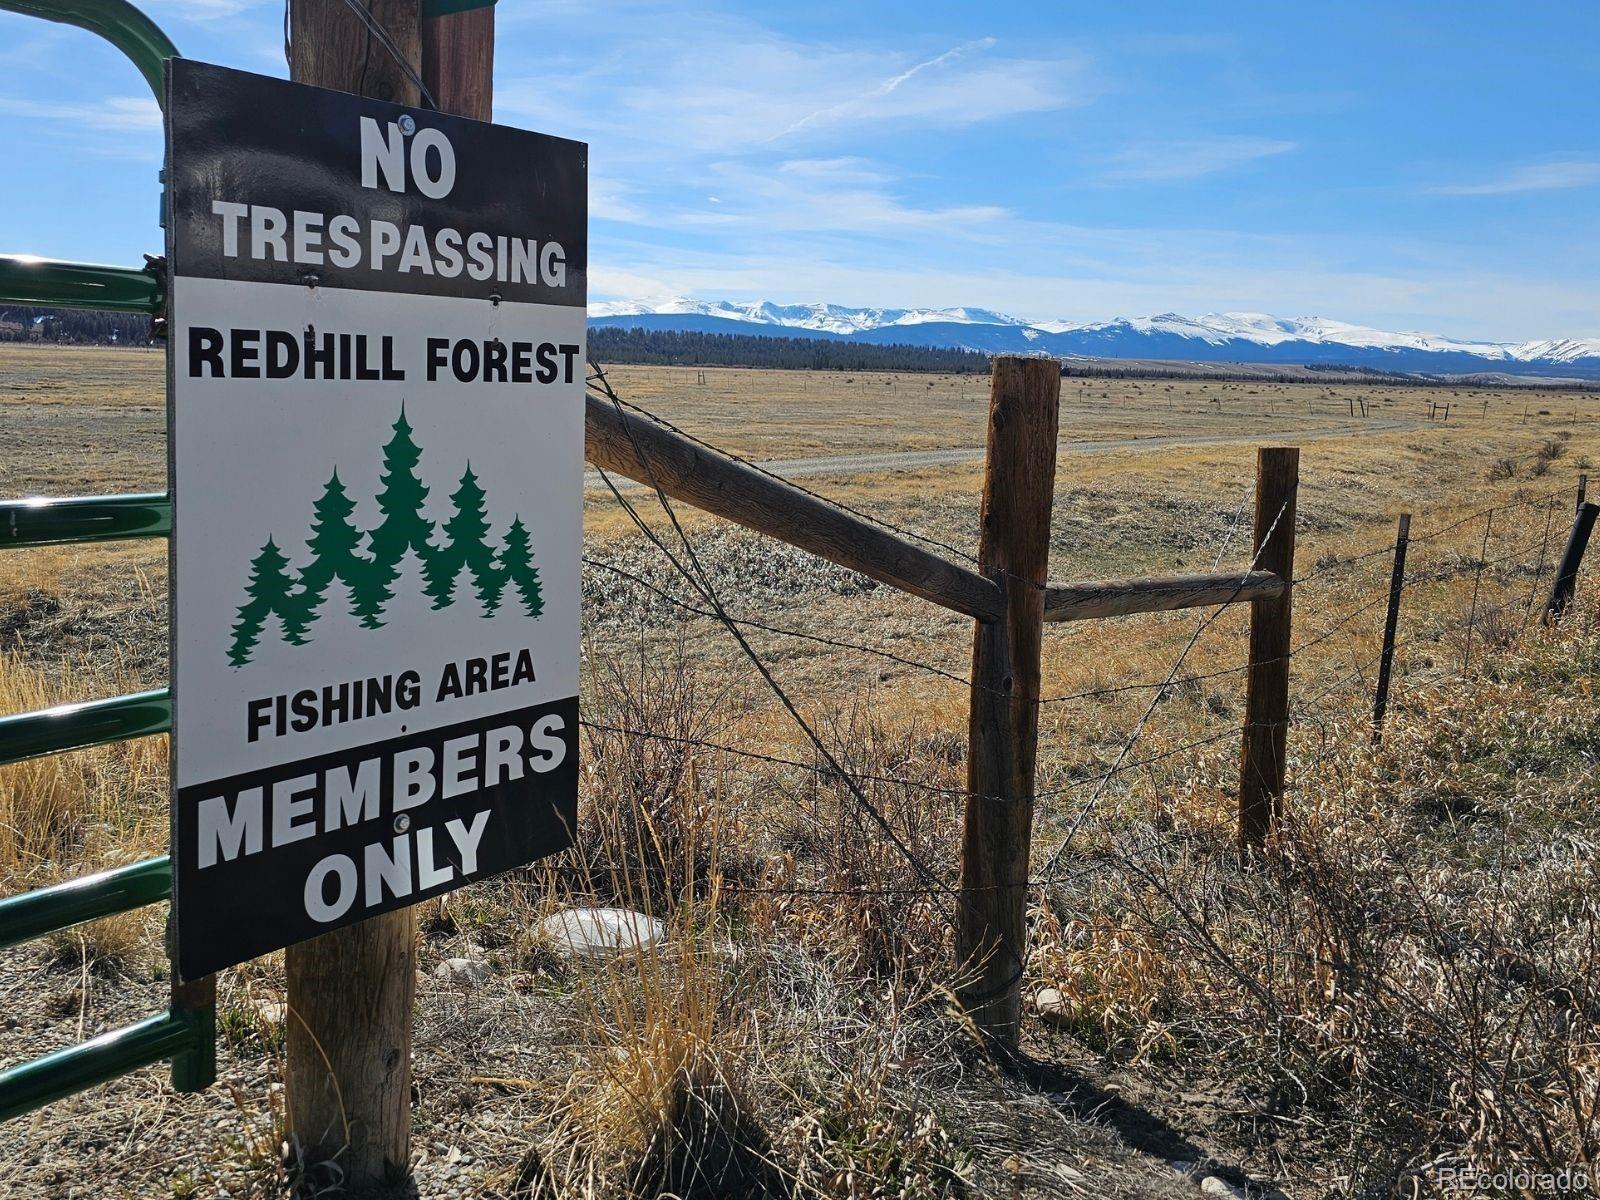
[
  {"x": 1583, "y": 492},
  {"x": 1014, "y": 551},
  {"x": 1397, "y": 583},
  {"x": 1266, "y": 722},
  {"x": 1566, "y": 583},
  {"x": 351, "y": 992}
]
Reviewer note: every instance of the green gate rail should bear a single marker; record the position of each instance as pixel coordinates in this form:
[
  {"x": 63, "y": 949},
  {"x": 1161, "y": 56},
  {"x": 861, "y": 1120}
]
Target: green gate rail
[
  {"x": 186, "y": 1033},
  {"x": 177, "y": 1035},
  {"x": 79, "y": 726},
  {"x": 26, "y": 523},
  {"x": 50, "y": 283},
  {"x": 48, "y": 910}
]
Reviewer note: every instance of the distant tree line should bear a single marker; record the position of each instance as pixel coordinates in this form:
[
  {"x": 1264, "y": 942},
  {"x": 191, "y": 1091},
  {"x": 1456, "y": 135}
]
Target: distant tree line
[
  {"x": 73, "y": 327},
  {"x": 657, "y": 347},
  {"x": 1344, "y": 374}
]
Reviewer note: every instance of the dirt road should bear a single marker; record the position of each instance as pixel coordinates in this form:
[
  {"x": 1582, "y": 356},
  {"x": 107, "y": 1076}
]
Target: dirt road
[{"x": 871, "y": 464}]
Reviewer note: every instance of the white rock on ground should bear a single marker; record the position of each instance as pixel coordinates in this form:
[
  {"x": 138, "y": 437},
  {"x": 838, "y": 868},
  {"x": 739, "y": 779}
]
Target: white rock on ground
[
  {"x": 600, "y": 932},
  {"x": 462, "y": 970},
  {"x": 271, "y": 1012},
  {"x": 1051, "y": 1006},
  {"x": 1214, "y": 1185}
]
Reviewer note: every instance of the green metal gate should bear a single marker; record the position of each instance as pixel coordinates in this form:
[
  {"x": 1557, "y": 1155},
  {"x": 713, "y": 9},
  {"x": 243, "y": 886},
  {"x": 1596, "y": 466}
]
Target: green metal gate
[{"x": 186, "y": 1033}]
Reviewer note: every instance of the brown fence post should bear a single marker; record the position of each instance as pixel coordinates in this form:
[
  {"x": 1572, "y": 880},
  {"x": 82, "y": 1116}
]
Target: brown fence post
[
  {"x": 1014, "y": 551},
  {"x": 1266, "y": 723},
  {"x": 1391, "y": 621},
  {"x": 351, "y": 992},
  {"x": 1583, "y": 492},
  {"x": 1566, "y": 583}
]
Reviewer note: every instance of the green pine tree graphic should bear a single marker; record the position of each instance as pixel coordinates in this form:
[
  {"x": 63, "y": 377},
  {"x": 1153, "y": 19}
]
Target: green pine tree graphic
[
  {"x": 333, "y": 544},
  {"x": 269, "y": 592},
  {"x": 466, "y": 544},
  {"x": 516, "y": 565},
  {"x": 403, "y": 526}
]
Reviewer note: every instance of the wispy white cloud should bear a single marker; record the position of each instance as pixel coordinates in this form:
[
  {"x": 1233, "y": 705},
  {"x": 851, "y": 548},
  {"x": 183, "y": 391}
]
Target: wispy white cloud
[
  {"x": 1533, "y": 177},
  {"x": 114, "y": 114},
  {"x": 855, "y": 107},
  {"x": 829, "y": 196},
  {"x": 1191, "y": 158},
  {"x": 673, "y": 84}
]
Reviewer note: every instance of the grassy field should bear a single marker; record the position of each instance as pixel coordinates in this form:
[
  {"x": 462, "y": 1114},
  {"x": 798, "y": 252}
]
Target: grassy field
[{"x": 1406, "y": 981}]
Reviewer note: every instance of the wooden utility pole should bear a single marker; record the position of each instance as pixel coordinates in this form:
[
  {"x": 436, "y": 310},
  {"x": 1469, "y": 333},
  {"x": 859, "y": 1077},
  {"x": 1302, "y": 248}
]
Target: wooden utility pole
[
  {"x": 351, "y": 992},
  {"x": 1014, "y": 552},
  {"x": 458, "y": 60},
  {"x": 1266, "y": 727},
  {"x": 332, "y": 48},
  {"x": 1391, "y": 622}
]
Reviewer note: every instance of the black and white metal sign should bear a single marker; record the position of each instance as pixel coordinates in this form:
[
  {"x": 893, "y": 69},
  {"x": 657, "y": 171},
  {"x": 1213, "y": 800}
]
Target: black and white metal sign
[{"x": 376, "y": 423}]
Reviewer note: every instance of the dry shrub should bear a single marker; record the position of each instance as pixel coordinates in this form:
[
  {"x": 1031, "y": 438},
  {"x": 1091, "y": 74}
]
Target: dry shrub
[
  {"x": 660, "y": 1107},
  {"x": 1414, "y": 967},
  {"x": 44, "y": 802},
  {"x": 709, "y": 1068},
  {"x": 880, "y": 909},
  {"x": 1111, "y": 982},
  {"x": 63, "y": 815},
  {"x": 1552, "y": 448},
  {"x": 867, "y": 1122},
  {"x": 654, "y": 793}
]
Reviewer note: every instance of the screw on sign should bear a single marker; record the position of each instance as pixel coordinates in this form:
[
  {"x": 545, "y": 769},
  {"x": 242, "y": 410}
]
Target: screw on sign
[{"x": 377, "y": 447}]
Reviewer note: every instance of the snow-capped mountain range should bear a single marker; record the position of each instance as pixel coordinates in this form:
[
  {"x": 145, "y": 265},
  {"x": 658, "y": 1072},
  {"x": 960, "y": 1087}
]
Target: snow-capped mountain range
[{"x": 1215, "y": 337}]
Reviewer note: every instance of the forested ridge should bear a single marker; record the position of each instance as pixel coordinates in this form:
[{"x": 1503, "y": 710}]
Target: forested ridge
[{"x": 656, "y": 347}]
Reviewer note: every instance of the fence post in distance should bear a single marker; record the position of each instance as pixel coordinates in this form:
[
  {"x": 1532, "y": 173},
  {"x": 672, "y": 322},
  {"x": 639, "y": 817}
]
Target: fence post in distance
[
  {"x": 1566, "y": 583},
  {"x": 1391, "y": 621}
]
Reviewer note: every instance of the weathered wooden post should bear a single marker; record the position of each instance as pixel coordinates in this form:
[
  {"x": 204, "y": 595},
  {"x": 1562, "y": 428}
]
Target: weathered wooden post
[
  {"x": 351, "y": 992},
  {"x": 1266, "y": 723},
  {"x": 1391, "y": 621},
  {"x": 1583, "y": 492},
  {"x": 1566, "y": 583},
  {"x": 1014, "y": 551}
]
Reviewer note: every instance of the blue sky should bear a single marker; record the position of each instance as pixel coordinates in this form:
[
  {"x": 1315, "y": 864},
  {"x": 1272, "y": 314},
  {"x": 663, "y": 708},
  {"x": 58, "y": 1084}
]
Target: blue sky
[{"x": 1409, "y": 165}]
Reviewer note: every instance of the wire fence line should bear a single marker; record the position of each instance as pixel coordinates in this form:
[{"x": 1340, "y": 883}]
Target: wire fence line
[
  {"x": 694, "y": 573},
  {"x": 827, "y": 764}
]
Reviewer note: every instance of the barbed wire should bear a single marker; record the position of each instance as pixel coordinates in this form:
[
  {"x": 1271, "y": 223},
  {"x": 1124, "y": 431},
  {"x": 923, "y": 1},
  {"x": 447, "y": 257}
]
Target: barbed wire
[
  {"x": 700, "y": 580},
  {"x": 1204, "y": 624},
  {"x": 1092, "y": 693}
]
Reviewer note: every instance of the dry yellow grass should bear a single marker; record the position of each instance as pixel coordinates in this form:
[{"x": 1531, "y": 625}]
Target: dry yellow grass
[{"x": 828, "y": 1029}]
